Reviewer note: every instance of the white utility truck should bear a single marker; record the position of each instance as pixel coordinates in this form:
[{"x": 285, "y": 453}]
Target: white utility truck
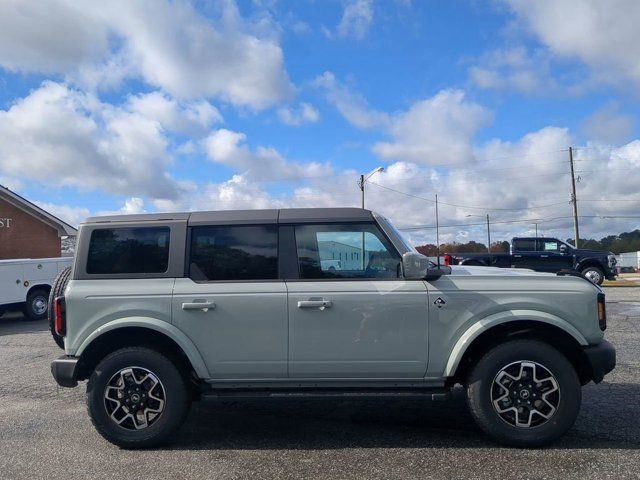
[{"x": 25, "y": 284}]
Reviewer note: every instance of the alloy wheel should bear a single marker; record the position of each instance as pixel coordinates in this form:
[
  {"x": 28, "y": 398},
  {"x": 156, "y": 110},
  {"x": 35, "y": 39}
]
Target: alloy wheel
[
  {"x": 525, "y": 394},
  {"x": 134, "y": 398}
]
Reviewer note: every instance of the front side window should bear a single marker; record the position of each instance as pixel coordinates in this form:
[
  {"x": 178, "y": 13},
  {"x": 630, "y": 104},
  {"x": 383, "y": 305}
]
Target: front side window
[
  {"x": 234, "y": 253},
  {"x": 345, "y": 251},
  {"x": 128, "y": 250},
  {"x": 550, "y": 245}
]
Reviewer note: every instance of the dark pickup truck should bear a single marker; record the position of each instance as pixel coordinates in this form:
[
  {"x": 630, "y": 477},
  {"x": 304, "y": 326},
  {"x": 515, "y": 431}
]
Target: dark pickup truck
[{"x": 544, "y": 255}]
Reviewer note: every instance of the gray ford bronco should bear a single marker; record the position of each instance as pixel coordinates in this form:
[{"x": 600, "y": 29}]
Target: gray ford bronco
[{"x": 159, "y": 310}]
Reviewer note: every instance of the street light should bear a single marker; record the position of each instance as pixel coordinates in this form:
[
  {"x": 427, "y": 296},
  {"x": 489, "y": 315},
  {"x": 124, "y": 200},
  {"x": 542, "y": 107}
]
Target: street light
[
  {"x": 488, "y": 233},
  {"x": 363, "y": 180}
]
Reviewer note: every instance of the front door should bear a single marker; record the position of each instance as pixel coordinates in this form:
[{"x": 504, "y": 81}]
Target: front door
[
  {"x": 358, "y": 318},
  {"x": 551, "y": 258},
  {"x": 232, "y": 305}
]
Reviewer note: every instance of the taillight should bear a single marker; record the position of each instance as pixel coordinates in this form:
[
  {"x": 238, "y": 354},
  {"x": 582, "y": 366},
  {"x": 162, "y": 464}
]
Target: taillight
[
  {"x": 447, "y": 260},
  {"x": 602, "y": 312},
  {"x": 59, "y": 317}
]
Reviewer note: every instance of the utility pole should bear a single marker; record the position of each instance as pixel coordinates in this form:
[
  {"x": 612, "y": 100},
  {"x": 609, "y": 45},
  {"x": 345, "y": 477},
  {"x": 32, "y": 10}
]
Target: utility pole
[
  {"x": 361, "y": 184},
  {"x": 536, "y": 229},
  {"x": 489, "y": 239},
  {"x": 437, "y": 232},
  {"x": 574, "y": 199}
]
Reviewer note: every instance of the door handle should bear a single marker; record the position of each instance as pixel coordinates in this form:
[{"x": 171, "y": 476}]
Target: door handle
[
  {"x": 544, "y": 256},
  {"x": 319, "y": 304},
  {"x": 517, "y": 256},
  {"x": 204, "y": 306}
]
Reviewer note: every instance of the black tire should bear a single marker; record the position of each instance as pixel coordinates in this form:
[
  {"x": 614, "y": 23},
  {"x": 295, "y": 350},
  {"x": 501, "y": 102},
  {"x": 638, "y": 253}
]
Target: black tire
[
  {"x": 36, "y": 307},
  {"x": 594, "y": 274},
  {"x": 480, "y": 383},
  {"x": 176, "y": 398},
  {"x": 59, "y": 284}
]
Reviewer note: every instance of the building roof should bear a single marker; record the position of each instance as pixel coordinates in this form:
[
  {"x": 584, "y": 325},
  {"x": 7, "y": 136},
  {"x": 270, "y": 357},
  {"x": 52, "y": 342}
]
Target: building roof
[
  {"x": 238, "y": 217},
  {"x": 64, "y": 229}
]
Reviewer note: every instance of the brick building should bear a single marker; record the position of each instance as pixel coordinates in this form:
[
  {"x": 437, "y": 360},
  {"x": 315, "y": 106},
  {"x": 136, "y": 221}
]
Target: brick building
[{"x": 28, "y": 231}]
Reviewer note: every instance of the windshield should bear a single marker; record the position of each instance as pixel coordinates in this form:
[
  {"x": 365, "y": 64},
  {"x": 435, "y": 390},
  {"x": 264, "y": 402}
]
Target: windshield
[{"x": 396, "y": 237}]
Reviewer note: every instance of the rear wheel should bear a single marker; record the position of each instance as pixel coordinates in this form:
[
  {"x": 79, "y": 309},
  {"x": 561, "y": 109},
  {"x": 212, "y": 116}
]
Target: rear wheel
[
  {"x": 137, "y": 398},
  {"x": 57, "y": 290},
  {"x": 594, "y": 274},
  {"x": 524, "y": 393},
  {"x": 36, "y": 306}
]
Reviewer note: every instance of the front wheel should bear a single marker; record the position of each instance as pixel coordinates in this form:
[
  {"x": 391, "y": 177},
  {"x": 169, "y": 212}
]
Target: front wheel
[
  {"x": 137, "y": 398},
  {"x": 524, "y": 393},
  {"x": 594, "y": 274}
]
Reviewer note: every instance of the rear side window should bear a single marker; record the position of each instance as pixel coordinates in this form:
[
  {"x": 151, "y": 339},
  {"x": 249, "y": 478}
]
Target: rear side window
[
  {"x": 234, "y": 253},
  {"x": 128, "y": 250},
  {"x": 525, "y": 244}
]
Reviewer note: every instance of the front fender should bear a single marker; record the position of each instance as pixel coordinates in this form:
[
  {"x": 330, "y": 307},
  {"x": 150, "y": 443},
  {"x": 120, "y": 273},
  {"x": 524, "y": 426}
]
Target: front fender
[
  {"x": 160, "y": 326},
  {"x": 475, "y": 330},
  {"x": 592, "y": 260}
]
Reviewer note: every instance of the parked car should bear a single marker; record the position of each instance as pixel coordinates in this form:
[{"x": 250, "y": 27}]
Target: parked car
[
  {"x": 25, "y": 284},
  {"x": 544, "y": 254},
  {"x": 163, "y": 309}
]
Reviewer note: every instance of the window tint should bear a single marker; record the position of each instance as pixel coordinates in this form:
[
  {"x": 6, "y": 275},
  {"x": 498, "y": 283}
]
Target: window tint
[
  {"x": 234, "y": 253},
  {"x": 525, "y": 244},
  {"x": 128, "y": 250},
  {"x": 345, "y": 251}
]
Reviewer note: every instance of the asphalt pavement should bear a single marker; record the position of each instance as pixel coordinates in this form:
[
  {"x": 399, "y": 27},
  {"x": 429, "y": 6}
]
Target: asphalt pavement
[{"x": 45, "y": 431}]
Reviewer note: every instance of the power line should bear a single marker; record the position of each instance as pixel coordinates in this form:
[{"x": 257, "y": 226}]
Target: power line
[{"x": 466, "y": 206}]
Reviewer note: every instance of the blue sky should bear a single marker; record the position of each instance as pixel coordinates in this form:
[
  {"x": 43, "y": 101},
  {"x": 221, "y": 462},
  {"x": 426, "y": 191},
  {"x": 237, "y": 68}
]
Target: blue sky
[{"x": 214, "y": 105}]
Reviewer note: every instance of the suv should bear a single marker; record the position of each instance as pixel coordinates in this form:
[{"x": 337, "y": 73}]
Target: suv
[{"x": 162, "y": 309}]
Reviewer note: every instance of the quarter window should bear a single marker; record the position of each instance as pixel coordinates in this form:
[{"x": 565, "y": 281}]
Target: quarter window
[
  {"x": 128, "y": 250},
  {"x": 234, "y": 253},
  {"x": 345, "y": 251}
]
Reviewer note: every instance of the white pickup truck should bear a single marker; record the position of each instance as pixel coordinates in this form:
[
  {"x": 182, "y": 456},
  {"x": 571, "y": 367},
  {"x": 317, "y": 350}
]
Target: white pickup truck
[{"x": 25, "y": 283}]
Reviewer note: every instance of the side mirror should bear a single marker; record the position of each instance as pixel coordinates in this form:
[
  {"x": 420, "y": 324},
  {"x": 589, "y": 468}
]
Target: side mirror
[
  {"x": 414, "y": 265},
  {"x": 418, "y": 267}
]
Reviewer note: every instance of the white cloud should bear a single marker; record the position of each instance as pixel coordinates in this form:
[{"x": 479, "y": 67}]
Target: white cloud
[
  {"x": 168, "y": 45},
  {"x": 513, "y": 68},
  {"x": 305, "y": 113},
  {"x": 70, "y": 214},
  {"x": 353, "y": 106},
  {"x": 229, "y": 148},
  {"x": 63, "y": 137},
  {"x": 600, "y": 34},
  {"x": 192, "y": 118},
  {"x": 608, "y": 125},
  {"x": 356, "y": 19},
  {"x": 438, "y": 130}
]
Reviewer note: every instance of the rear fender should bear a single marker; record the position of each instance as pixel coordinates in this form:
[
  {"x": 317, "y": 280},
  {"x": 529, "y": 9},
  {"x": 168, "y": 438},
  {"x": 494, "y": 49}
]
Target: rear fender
[{"x": 160, "y": 326}]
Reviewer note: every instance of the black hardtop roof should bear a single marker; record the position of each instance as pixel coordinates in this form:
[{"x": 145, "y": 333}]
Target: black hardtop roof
[{"x": 239, "y": 217}]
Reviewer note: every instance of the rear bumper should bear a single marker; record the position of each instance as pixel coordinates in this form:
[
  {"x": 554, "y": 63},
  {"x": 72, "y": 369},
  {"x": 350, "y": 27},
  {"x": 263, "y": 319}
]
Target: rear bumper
[
  {"x": 602, "y": 359},
  {"x": 65, "y": 371}
]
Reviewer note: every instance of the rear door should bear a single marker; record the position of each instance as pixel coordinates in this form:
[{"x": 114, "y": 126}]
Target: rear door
[
  {"x": 524, "y": 253},
  {"x": 361, "y": 320},
  {"x": 231, "y": 304}
]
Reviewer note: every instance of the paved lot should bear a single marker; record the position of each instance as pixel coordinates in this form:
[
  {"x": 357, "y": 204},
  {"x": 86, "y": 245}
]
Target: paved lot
[{"x": 45, "y": 432}]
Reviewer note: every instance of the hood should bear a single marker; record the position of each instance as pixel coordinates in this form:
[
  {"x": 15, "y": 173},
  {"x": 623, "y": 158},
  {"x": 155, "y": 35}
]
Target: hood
[
  {"x": 595, "y": 253},
  {"x": 479, "y": 270}
]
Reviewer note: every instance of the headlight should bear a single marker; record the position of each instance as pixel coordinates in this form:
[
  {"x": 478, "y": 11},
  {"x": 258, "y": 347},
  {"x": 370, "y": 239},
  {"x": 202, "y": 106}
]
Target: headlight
[{"x": 612, "y": 261}]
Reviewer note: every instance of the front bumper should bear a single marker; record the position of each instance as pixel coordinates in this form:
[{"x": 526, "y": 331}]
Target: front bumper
[
  {"x": 65, "y": 371},
  {"x": 601, "y": 358}
]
